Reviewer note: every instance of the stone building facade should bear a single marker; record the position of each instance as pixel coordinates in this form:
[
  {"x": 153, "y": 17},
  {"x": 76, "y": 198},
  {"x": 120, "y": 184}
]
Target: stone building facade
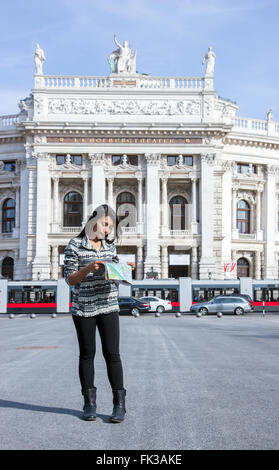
[{"x": 199, "y": 183}]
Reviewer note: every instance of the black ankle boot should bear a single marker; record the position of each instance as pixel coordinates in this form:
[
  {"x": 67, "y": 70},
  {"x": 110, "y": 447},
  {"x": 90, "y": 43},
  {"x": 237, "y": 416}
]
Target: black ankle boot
[
  {"x": 119, "y": 409},
  {"x": 89, "y": 408}
]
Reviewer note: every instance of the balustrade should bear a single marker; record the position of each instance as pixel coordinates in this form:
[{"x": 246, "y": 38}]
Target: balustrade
[
  {"x": 9, "y": 120},
  {"x": 177, "y": 83}
]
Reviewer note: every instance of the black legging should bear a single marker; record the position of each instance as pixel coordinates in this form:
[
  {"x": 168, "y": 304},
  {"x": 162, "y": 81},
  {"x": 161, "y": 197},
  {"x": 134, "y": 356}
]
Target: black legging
[{"x": 108, "y": 326}]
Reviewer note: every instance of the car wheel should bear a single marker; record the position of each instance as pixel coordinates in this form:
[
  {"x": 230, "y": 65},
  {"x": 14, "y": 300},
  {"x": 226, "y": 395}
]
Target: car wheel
[
  {"x": 135, "y": 311},
  {"x": 239, "y": 311},
  {"x": 160, "y": 309},
  {"x": 203, "y": 310}
]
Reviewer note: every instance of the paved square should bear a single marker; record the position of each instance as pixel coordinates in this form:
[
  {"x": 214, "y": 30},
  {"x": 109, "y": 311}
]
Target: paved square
[{"x": 192, "y": 383}]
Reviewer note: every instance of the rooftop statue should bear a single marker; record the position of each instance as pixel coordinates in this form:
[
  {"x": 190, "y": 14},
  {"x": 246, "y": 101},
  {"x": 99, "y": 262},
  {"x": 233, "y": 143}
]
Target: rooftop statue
[
  {"x": 270, "y": 115},
  {"x": 39, "y": 58},
  {"x": 209, "y": 58},
  {"x": 122, "y": 59}
]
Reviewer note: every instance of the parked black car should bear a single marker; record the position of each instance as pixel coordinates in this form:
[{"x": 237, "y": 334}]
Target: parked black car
[{"x": 131, "y": 305}]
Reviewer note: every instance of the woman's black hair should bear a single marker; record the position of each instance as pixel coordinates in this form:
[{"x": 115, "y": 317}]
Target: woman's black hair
[{"x": 104, "y": 210}]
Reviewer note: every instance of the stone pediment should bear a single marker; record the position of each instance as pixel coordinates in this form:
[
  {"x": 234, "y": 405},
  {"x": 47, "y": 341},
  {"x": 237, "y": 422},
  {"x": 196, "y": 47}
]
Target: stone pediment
[{"x": 69, "y": 165}]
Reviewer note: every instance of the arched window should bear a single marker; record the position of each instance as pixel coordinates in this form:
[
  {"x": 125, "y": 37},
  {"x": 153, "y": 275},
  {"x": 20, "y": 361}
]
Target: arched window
[
  {"x": 242, "y": 267},
  {"x": 72, "y": 210},
  {"x": 126, "y": 209},
  {"x": 8, "y": 216},
  {"x": 7, "y": 269},
  {"x": 178, "y": 212},
  {"x": 243, "y": 216}
]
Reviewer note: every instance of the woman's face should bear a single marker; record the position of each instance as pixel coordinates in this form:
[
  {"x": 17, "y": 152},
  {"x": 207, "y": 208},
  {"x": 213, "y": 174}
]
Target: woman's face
[{"x": 102, "y": 228}]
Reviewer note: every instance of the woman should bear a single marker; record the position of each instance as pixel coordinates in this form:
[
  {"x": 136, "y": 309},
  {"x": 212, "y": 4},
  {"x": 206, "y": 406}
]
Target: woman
[{"x": 95, "y": 303}]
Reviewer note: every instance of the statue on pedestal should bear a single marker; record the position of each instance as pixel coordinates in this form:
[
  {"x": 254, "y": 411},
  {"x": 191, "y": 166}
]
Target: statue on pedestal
[
  {"x": 39, "y": 58},
  {"x": 209, "y": 58},
  {"x": 122, "y": 59},
  {"x": 270, "y": 115}
]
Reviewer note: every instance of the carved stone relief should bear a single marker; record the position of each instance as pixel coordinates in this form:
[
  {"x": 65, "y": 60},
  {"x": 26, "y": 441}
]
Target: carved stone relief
[{"x": 136, "y": 107}]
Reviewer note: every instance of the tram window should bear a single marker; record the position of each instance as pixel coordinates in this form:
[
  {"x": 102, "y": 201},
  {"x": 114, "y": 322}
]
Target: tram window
[
  {"x": 166, "y": 294},
  {"x": 142, "y": 292},
  {"x": 217, "y": 292},
  {"x": 28, "y": 295},
  {"x": 138, "y": 293},
  {"x": 275, "y": 294},
  {"x": 258, "y": 295},
  {"x": 230, "y": 290},
  {"x": 173, "y": 295},
  {"x": 135, "y": 293},
  {"x": 203, "y": 293},
  {"x": 14, "y": 296}
]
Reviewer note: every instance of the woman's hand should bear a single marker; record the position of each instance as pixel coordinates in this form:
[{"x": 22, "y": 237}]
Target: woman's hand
[
  {"x": 133, "y": 265},
  {"x": 79, "y": 275},
  {"x": 95, "y": 266}
]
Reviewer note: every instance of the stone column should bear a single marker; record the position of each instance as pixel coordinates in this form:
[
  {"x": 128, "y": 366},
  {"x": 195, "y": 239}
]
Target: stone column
[
  {"x": 165, "y": 206},
  {"x": 207, "y": 262},
  {"x": 21, "y": 268},
  {"x": 165, "y": 262},
  {"x": 226, "y": 216},
  {"x": 194, "y": 263},
  {"x": 257, "y": 264},
  {"x": 41, "y": 262},
  {"x": 234, "y": 212},
  {"x": 98, "y": 184},
  {"x": 152, "y": 214},
  {"x": 234, "y": 260},
  {"x": 259, "y": 230},
  {"x": 194, "y": 223},
  {"x": 140, "y": 218},
  {"x": 139, "y": 263},
  {"x": 110, "y": 180},
  {"x": 17, "y": 213},
  {"x": 55, "y": 224},
  {"x": 271, "y": 271},
  {"x": 54, "y": 261},
  {"x": 85, "y": 199}
]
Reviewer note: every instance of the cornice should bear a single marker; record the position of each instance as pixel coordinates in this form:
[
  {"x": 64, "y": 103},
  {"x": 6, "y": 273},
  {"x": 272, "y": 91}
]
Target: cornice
[
  {"x": 252, "y": 142},
  {"x": 11, "y": 139}
]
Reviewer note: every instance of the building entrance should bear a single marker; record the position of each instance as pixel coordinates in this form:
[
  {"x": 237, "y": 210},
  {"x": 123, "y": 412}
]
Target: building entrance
[{"x": 177, "y": 271}]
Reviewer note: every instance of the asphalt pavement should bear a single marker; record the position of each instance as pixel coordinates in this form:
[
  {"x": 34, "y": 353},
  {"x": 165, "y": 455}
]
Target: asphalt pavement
[{"x": 192, "y": 384}]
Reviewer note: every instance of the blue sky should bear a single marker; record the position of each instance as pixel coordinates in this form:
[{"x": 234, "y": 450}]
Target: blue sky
[{"x": 171, "y": 38}]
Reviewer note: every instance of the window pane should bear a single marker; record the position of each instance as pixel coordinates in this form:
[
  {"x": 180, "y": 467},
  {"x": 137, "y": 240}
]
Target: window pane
[
  {"x": 242, "y": 204},
  {"x": 171, "y": 160},
  {"x": 116, "y": 160},
  {"x": 77, "y": 159},
  {"x": 242, "y": 215},
  {"x": 10, "y": 213},
  {"x": 133, "y": 160},
  {"x": 10, "y": 166},
  {"x": 60, "y": 159},
  {"x": 188, "y": 161}
]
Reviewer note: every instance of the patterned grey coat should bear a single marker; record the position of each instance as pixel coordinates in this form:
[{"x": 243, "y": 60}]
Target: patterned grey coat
[{"x": 94, "y": 294}]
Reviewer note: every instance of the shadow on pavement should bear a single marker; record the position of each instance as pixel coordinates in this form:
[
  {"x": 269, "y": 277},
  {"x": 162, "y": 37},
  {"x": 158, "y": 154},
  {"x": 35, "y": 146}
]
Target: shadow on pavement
[{"x": 47, "y": 409}]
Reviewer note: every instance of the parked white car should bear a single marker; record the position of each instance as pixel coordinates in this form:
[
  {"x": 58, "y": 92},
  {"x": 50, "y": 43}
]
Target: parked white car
[{"x": 157, "y": 304}]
